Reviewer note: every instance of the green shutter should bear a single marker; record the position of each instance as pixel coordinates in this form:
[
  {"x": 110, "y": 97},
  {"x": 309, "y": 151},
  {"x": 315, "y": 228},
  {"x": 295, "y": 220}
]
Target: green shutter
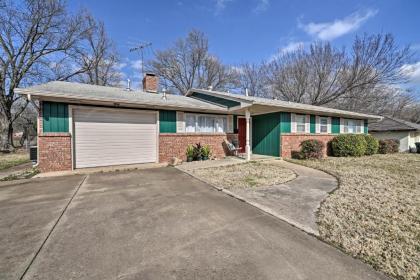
[
  {"x": 335, "y": 125},
  {"x": 285, "y": 122},
  {"x": 167, "y": 121},
  {"x": 266, "y": 134},
  {"x": 55, "y": 117},
  {"x": 313, "y": 121},
  {"x": 235, "y": 122},
  {"x": 366, "y": 127}
]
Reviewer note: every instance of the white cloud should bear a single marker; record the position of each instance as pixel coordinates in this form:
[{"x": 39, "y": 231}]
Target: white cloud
[
  {"x": 338, "y": 27},
  {"x": 136, "y": 64},
  {"x": 412, "y": 72},
  {"x": 292, "y": 46},
  {"x": 220, "y": 5},
  {"x": 121, "y": 65},
  {"x": 262, "y": 6}
]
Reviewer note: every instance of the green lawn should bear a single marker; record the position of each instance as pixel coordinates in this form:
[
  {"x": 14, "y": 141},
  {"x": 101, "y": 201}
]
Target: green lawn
[
  {"x": 375, "y": 213},
  {"x": 12, "y": 159}
]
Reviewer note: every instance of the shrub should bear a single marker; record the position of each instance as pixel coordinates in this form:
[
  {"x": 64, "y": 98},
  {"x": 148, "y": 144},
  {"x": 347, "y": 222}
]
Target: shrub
[
  {"x": 389, "y": 146},
  {"x": 311, "y": 148},
  {"x": 372, "y": 145},
  {"x": 198, "y": 152},
  {"x": 349, "y": 145},
  {"x": 206, "y": 151}
]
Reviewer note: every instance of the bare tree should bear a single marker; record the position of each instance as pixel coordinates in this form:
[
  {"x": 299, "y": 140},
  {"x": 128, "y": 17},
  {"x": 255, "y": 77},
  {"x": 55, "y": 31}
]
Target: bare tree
[
  {"x": 323, "y": 74},
  {"x": 41, "y": 41},
  {"x": 97, "y": 56},
  {"x": 253, "y": 77},
  {"x": 28, "y": 34},
  {"x": 188, "y": 64}
]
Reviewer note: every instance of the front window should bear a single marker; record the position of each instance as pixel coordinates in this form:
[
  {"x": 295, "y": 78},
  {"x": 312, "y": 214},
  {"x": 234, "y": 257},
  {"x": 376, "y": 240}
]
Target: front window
[
  {"x": 205, "y": 123},
  {"x": 300, "y": 123},
  {"x": 323, "y": 124},
  {"x": 352, "y": 126}
]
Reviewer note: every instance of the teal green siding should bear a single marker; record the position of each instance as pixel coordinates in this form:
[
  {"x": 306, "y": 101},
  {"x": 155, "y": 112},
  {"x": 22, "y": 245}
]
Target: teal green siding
[
  {"x": 366, "y": 127},
  {"x": 285, "y": 122},
  {"x": 55, "y": 117},
  {"x": 213, "y": 99},
  {"x": 167, "y": 121},
  {"x": 335, "y": 125},
  {"x": 266, "y": 134},
  {"x": 313, "y": 121}
]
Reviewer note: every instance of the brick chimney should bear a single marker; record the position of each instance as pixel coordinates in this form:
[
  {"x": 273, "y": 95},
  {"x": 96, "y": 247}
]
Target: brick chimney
[{"x": 150, "y": 82}]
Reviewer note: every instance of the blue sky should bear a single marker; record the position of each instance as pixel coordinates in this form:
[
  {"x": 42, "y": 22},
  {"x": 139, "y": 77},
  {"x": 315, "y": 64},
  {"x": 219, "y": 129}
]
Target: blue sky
[{"x": 252, "y": 30}]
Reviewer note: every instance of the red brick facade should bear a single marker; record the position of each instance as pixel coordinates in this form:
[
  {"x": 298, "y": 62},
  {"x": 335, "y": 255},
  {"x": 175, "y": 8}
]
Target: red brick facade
[
  {"x": 54, "y": 152},
  {"x": 291, "y": 142},
  {"x": 175, "y": 144}
]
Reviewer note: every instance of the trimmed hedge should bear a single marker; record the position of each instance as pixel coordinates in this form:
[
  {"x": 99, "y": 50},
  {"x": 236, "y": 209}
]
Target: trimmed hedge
[
  {"x": 346, "y": 145},
  {"x": 372, "y": 145},
  {"x": 389, "y": 146},
  {"x": 312, "y": 148}
]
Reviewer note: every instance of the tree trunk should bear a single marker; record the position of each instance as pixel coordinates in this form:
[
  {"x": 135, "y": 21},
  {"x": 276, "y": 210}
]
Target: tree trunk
[{"x": 10, "y": 136}]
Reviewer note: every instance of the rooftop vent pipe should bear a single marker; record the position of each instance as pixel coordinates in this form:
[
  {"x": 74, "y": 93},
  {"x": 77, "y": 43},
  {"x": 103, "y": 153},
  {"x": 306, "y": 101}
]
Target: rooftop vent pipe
[
  {"x": 164, "y": 94},
  {"x": 128, "y": 85}
]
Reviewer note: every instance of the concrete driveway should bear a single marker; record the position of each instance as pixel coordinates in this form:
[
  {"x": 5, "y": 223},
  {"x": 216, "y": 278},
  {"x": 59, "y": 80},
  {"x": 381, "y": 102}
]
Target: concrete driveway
[{"x": 153, "y": 224}]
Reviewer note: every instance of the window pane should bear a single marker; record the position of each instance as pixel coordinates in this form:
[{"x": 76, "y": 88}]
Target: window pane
[
  {"x": 300, "y": 123},
  {"x": 190, "y": 123},
  {"x": 210, "y": 123},
  {"x": 201, "y": 123},
  {"x": 324, "y": 125}
]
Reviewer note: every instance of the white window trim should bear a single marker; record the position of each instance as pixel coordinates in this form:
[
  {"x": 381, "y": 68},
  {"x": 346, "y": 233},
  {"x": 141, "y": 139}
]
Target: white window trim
[
  {"x": 359, "y": 123},
  {"x": 307, "y": 123},
  {"x": 229, "y": 124},
  {"x": 206, "y": 115},
  {"x": 180, "y": 122}
]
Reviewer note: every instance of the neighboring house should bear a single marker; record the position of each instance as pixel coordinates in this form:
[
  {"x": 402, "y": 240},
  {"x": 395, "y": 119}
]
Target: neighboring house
[
  {"x": 392, "y": 128},
  {"x": 86, "y": 126}
]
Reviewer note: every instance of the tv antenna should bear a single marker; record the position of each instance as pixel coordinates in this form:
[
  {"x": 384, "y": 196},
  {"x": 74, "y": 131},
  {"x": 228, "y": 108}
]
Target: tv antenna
[{"x": 140, "y": 48}]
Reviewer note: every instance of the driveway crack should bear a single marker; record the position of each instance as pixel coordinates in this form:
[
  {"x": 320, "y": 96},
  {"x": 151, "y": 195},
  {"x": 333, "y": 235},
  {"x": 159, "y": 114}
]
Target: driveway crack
[{"x": 53, "y": 227}]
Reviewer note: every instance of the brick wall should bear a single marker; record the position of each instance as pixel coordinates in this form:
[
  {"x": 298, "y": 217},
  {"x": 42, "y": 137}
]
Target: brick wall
[
  {"x": 291, "y": 142},
  {"x": 174, "y": 145},
  {"x": 54, "y": 149},
  {"x": 54, "y": 152}
]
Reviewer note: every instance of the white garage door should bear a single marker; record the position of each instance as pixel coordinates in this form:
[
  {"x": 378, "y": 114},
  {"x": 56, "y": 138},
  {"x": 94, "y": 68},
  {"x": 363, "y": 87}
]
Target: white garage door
[{"x": 106, "y": 137}]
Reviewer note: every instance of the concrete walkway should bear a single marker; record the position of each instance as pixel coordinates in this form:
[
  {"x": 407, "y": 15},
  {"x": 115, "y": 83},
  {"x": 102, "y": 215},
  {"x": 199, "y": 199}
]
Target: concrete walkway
[{"x": 296, "y": 201}]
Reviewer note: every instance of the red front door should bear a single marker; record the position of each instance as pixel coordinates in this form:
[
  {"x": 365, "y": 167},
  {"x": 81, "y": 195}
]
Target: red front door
[{"x": 242, "y": 134}]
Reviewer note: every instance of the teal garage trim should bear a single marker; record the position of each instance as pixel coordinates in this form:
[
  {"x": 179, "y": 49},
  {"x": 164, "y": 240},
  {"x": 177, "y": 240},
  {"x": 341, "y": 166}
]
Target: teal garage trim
[
  {"x": 167, "y": 121},
  {"x": 312, "y": 124},
  {"x": 55, "y": 117},
  {"x": 266, "y": 134},
  {"x": 285, "y": 122},
  {"x": 217, "y": 100},
  {"x": 335, "y": 125}
]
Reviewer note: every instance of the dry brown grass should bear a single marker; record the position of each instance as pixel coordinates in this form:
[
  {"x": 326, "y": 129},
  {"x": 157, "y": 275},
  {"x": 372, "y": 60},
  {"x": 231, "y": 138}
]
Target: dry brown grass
[
  {"x": 374, "y": 214},
  {"x": 12, "y": 159},
  {"x": 246, "y": 175}
]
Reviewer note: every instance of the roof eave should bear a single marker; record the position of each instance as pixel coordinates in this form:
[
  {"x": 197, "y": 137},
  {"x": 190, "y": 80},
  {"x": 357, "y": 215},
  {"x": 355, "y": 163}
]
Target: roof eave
[{"x": 114, "y": 102}]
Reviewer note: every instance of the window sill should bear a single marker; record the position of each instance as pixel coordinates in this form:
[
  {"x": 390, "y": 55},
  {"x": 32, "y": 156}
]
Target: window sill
[{"x": 55, "y": 134}]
